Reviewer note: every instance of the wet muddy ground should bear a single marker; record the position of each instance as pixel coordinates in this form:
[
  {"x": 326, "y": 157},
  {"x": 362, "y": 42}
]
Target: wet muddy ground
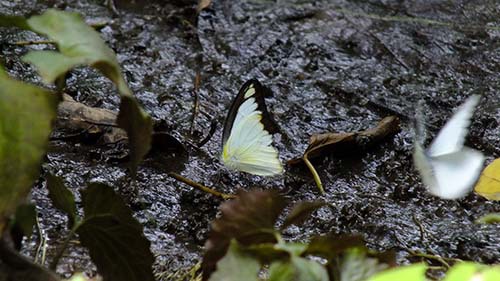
[{"x": 333, "y": 66}]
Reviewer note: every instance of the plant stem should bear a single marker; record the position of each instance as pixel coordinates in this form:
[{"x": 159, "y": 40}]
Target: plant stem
[
  {"x": 201, "y": 187},
  {"x": 315, "y": 175}
]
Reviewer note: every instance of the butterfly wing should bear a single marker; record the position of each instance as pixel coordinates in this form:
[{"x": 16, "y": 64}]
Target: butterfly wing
[
  {"x": 455, "y": 173},
  {"x": 451, "y": 137},
  {"x": 424, "y": 166},
  {"x": 246, "y": 143}
]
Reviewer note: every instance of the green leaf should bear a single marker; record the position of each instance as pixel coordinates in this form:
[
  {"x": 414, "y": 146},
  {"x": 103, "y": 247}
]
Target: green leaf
[
  {"x": 297, "y": 269},
  {"x": 236, "y": 265},
  {"x": 414, "y": 272},
  {"x": 267, "y": 252},
  {"x": 469, "y": 271},
  {"x": 13, "y": 21},
  {"x": 26, "y": 116},
  {"x": 114, "y": 238},
  {"x": 250, "y": 219},
  {"x": 25, "y": 218},
  {"x": 489, "y": 218},
  {"x": 301, "y": 212},
  {"x": 356, "y": 265},
  {"x": 79, "y": 44},
  {"x": 330, "y": 246},
  {"x": 281, "y": 271},
  {"x": 139, "y": 128},
  {"x": 62, "y": 198},
  {"x": 463, "y": 271}
]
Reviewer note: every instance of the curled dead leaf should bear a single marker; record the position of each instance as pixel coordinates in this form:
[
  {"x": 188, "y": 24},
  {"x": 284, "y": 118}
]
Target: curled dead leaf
[{"x": 321, "y": 145}]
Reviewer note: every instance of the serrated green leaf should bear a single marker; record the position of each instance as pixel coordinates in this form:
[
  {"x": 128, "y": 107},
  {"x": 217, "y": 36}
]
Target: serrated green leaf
[
  {"x": 114, "y": 237},
  {"x": 330, "y": 246},
  {"x": 78, "y": 44},
  {"x": 297, "y": 268},
  {"x": 62, "y": 198},
  {"x": 236, "y": 266},
  {"x": 26, "y": 116},
  {"x": 414, "y": 272},
  {"x": 356, "y": 265},
  {"x": 301, "y": 212},
  {"x": 250, "y": 219}
]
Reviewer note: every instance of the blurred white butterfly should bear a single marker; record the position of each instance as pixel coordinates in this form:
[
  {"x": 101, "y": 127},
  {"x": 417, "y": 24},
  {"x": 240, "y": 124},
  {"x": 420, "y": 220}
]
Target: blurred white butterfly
[
  {"x": 246, "y": 145},
  {"x": 447, "y": 167}
]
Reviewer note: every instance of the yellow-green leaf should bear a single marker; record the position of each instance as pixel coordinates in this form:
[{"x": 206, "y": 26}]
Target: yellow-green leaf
[
  {"x": 488, "y": 185},
  {"x": 414, "y": 272}
]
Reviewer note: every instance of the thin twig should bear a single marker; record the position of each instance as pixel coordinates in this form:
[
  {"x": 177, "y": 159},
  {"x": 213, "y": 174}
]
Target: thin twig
[
  {"x": 430, "y": 257},
  {"x": 201, "y": 187},
  {"x": 421, "y": 227},
  {"x": 196, "y": 104},
  {"x": 41, "y": 42},
  {"x": 41, "y": 238},
  {"x": 315, "y": 175}
]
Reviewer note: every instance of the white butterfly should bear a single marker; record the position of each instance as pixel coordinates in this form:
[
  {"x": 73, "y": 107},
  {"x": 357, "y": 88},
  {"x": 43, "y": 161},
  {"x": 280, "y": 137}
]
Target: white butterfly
[
  {"x": 246, "y": 145},
  {"x": 447, "y": 167}
]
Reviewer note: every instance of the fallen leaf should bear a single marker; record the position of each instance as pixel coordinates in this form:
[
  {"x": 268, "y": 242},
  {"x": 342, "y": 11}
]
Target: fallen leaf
[
  {"x": 321, "y": 145},
  {"x": 340, "y": 144},
  {"x": 488, "y": 185},
  {"x": 203, "y": 4}
]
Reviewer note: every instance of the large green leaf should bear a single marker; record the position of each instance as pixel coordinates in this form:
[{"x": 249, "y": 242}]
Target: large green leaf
[
  {"x": 78, "y": 44},
  {"x": 414, "y": 272},
  {"x": 469, "y": 271},
  {"x": 26, "y": 116},
  {"x": 297, "y": 268},
  {"x": 62, "y": 198},
  {"x": 114, "y": 238},
  {"x": 250, "y": 219},
  {"x": 236, "y": 265}
]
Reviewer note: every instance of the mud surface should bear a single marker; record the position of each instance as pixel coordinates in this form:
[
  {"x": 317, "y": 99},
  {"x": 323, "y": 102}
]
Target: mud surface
[{"x": 333, "y": 66}]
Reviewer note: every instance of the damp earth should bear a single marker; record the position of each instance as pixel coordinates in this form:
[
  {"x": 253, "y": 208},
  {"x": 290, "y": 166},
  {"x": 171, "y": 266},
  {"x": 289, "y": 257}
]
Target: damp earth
[{"x": 332, "y": 66}]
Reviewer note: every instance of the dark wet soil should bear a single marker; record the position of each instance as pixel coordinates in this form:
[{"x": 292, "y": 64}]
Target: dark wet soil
[{"x": 333, "y": 66}]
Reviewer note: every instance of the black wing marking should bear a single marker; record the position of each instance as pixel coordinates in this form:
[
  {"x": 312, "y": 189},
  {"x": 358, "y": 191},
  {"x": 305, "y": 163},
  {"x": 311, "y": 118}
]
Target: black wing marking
[{"x": 260, "y": 92}]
